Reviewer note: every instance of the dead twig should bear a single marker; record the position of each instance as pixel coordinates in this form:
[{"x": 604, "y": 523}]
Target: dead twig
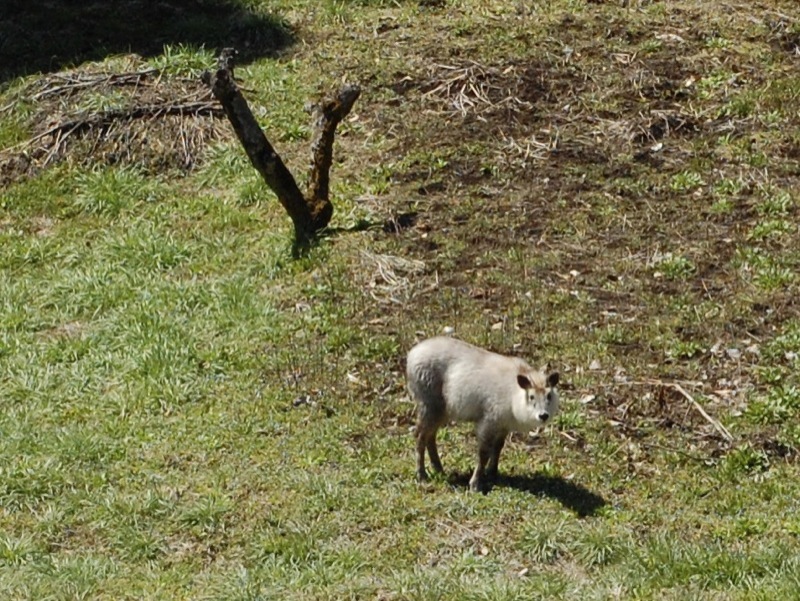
[
  {"x": 61, "y": 84},
  {"x": 677, "y": 451},
  {"x": 722, "y": 430}
]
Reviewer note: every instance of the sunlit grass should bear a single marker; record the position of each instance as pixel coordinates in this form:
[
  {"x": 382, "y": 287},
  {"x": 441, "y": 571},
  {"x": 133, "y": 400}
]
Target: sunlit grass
[{"x": 188, "y": 411}]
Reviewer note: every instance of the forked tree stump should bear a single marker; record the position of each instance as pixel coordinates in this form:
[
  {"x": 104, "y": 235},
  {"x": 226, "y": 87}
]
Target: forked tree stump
[{"x": 312, "y": 211}]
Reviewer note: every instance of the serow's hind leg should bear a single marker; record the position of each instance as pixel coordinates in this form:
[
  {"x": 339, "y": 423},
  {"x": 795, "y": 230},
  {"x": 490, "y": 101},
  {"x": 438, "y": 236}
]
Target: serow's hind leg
[
  {"x": 422, "y": 475},
  {"x": 436, "y": 463}
]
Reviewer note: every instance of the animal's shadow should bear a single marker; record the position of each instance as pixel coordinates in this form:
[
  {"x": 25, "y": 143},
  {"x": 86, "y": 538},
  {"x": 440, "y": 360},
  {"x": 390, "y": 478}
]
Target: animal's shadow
[{"x": 575, "y": 497}]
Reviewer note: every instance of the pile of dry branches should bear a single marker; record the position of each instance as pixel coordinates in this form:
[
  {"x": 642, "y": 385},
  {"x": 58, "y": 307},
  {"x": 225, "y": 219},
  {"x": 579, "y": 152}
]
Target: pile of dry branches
[
  {"x": 475, "y": 89},
  {"x": 141, "y": 116}
]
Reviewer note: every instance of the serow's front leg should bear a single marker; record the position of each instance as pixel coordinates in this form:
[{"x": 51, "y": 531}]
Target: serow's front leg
[
  {"x": 494, "y": 456},
  {"x": 478, "y": 481},
  {"x": 433, "y": 452}
]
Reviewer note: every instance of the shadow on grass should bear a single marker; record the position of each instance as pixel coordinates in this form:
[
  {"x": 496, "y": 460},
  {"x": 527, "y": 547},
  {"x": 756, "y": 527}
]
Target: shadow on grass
[
  {"x": 394, "y": 225},
  {"x": 47, "y": 36},
  {"x": 575, "y": 497}
]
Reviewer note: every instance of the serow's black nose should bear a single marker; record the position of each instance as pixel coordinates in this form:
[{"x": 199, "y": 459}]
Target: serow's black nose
[{"x": 543, "y": 417}]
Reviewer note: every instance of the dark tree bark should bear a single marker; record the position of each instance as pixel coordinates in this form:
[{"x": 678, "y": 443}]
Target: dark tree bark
[
  {"x": 326, "y": 116},
  {"x": 310, "y": 212}
]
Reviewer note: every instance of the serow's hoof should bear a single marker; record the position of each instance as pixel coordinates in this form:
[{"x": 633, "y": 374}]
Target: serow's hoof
[{"x": 476, "y": 485}]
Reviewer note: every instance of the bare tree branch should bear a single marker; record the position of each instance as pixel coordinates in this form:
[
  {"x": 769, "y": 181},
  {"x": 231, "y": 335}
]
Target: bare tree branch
[
  {"x": 309, "y": 213},
  {"x": 326, "y": 117}
]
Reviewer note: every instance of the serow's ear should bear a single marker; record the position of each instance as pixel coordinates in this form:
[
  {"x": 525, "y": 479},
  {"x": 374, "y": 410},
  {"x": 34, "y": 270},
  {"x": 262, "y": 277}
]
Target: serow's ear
[
  {"x": 552, "y": 379},
  {"x": 524, "y": 382}
]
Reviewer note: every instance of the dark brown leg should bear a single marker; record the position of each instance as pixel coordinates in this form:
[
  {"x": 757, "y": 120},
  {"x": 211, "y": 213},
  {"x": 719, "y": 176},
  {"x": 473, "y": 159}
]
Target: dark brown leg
[
  {"x": 477, "y": 482},
  {"x": 422, "y": 436},
  {"x": 436, "y": 463},
  {"x": 485, "y": 440},
  {"x": 494, "y": 457}
]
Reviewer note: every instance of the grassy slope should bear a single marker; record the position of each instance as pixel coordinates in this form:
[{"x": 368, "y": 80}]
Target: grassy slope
[{"x": 189, "y": 413}]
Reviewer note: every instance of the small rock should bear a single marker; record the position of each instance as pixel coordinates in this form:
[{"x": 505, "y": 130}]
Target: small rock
[
  {"x": 672, "y": 38},
  {"x": 594, "y": 365},
  {"x": 753, "y": 349}
]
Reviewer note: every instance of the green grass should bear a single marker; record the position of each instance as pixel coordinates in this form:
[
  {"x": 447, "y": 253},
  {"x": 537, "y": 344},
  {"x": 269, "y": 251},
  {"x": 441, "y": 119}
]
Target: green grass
[{"x": 189, "y": 412}]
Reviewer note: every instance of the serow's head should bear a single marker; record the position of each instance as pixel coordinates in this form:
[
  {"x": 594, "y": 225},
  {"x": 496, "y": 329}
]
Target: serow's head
[{"x": 541, "y": 393}]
